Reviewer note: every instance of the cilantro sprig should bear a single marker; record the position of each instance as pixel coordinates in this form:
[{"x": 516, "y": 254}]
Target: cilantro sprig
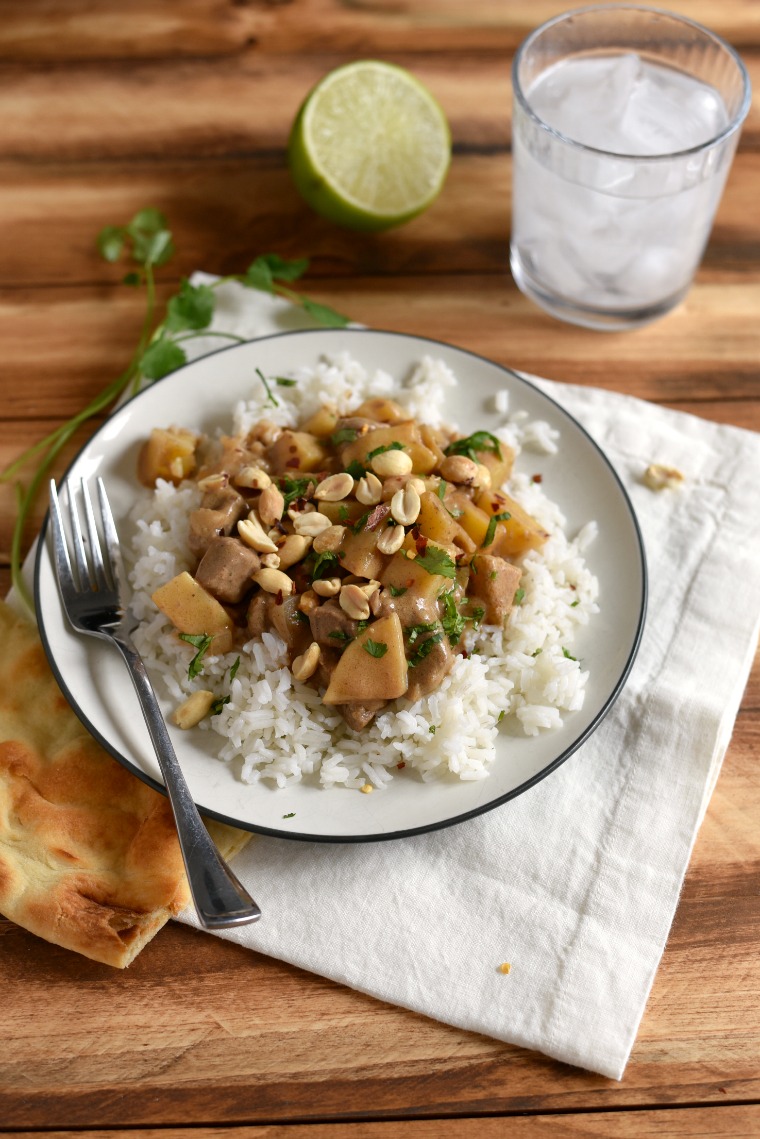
[
  {"x": 147, "y": 243},
  {"x": 472, "y": 445},
  {"x": 202, "y": 643}
]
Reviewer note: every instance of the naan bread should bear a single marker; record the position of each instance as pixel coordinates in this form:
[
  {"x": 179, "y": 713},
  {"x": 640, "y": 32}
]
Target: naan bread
[{"x": 89, "y": 857}]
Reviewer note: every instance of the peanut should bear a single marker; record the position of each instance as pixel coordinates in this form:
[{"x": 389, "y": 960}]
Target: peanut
[
  {"x": 391, "y": 539},
  {"x": 192, "y": 710},
  {"x": 274, "y": 581},
  {"x": 271, "y": 505},
  {"x": 459, "y": 469},
  {"x": 306, "y": 665},
  {"x": 311, "y": 524},
  {"x": 389, "y": 463},
  {"x": 329, "y": 539},
  {"x": 292, "y": 549},
  {"x": 251, "y": 532},
  {"x": 405, "y": 506},
  {"x": 335, "y": 487},
  {"x": 354, "y": 602},
  {"x": 326, "y": 586},
  {"x": 369, "y": 490},
  {"x": 253, "y": 478}
]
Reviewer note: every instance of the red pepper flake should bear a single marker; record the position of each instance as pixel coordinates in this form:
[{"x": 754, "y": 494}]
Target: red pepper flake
[
  {"x": 420, "y": 542},
  {"x": 537, "y": 478},
  {"x": 400, "y": 765},
  {"x": 293, "y": 463},
  {"x": 278, "y": 597}
]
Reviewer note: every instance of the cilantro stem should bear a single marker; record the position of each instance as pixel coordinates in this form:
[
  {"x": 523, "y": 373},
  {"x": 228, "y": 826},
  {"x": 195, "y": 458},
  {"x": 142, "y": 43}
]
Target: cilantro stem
[{"x": 205, "y": 332}]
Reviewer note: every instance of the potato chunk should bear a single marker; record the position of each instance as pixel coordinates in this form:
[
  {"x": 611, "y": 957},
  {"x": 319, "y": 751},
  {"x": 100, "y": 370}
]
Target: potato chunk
[
  {"x": 514, "y": 535},
  {"x": 192, "y": 610},
  {"x": 406, "y": 433},
  {"x": 373, "y": 667},
  {"x": 436, "y": 522},
  {"x": 295, "y": 451},
  {"x": 167, "y": 454}
]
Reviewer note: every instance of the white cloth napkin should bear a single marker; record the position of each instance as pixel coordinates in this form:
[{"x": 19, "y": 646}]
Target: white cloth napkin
[{"x": 574, "y": 883}]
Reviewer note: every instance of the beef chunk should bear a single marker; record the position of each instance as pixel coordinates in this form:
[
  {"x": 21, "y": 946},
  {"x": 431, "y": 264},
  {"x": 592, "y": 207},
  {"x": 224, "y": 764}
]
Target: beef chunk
[
  {"x": 357, "y": 715},
  {"x": 427, "y": 675},
  {"x": 226, "y": 568},
  {"x": 257, "y": 618},
  {"x": 331, "y": 627},
  {"x": 218, "y": 515}
]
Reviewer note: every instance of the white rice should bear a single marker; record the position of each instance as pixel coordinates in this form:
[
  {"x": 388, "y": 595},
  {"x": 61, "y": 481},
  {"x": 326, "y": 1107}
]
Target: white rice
[{"x": 519, "y": 679}]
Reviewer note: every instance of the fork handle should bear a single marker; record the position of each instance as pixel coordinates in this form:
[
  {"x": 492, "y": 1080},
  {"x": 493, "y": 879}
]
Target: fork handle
[{"x": 220, "y": 899}]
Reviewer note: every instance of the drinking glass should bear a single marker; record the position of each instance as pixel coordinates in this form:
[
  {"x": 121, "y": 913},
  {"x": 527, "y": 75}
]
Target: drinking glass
[{"x": 624, "y": 126}]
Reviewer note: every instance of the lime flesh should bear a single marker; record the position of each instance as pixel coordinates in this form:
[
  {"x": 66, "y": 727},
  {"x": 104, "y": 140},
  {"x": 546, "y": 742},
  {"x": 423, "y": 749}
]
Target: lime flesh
[{"x": 370, "y": 147}]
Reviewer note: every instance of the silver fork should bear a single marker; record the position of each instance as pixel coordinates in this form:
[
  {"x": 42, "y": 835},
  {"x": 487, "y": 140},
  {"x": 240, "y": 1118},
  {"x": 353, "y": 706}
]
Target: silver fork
[{"x": 91, "y": 591}]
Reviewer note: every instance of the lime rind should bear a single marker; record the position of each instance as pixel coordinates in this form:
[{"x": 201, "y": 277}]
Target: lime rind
[{"x": 370, "y": 147}]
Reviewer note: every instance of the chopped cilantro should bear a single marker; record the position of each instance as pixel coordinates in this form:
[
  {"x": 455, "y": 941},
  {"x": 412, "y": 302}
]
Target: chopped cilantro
[
  {"x": 455, "y": 512},
  {"x": 493, "y": 575},
  {"x": 217, "y": 706},
  {"x": 398, "y": 590},
  {"x": 361, "y": 626},
  {"x": 442, "y": 489},
  {"x": 472, "y": 444},
  {"x": 339, "y": 635},
  {"x": 477, "y": 616},
  {"x": 343, "y": 513},
  {"x": 491, "y": 531},
  {"x": 436, "y": 560},
  {"x": 568, "y": 655},
  {"x": 375, "y": 648},
  {"x": 452, "y": 620},
  {"x": 574, "y": 603},
  {"x": 293, "y": 488},
  {"x": 301, "y": 616},
  {"x": 501, "y": 715},
  {"x": 394, "y": 446},
  {"x": 360, "y": 522},
  {"x": 345, "y": 435},
  {"x": 233, "y": 670},
  {"x": 537, "y": 652},
  {"x": 356, "y": 470},
  {"x": 201, "y": 642},
  {"x": 267, "y": 389},
  {"x": 284, "y": 382},
  {"x": 416, "y": 631},
  {"x": 323, "y": 563},
  {"x": 518, "y": 597},
  {"x": 290, "y": 815},
  {"x": 425, "y": 649},
  {"x": 431, "y": 729}
]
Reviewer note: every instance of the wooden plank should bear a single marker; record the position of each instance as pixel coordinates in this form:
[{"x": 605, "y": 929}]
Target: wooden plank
[
  {"x": 78, "y": 30},
  {"x": 196, "y": 109},
  {"x": 61, "y": 346},
  {"x": 731, "y": 1121},
  {"x": 254, "y": 1040},
  {"x": 224, "y": 213}
]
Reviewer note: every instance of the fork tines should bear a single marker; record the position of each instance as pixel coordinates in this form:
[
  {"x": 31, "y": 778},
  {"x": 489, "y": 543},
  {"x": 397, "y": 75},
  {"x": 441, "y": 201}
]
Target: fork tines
[{"x": 97, "y": 563}]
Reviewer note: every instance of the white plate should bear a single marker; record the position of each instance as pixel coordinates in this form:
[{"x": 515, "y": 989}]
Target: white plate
[{"x": 202, "y": 394}]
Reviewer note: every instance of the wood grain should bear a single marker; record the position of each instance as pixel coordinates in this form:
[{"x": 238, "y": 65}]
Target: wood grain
[
  {"x": 107, "y": 107},
  {"x": 257, "y": 1040},
  {"x": 731, "y": 1121}
]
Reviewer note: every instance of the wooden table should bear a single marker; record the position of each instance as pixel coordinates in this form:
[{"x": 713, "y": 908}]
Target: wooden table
[{"x": 186, "y": 105}]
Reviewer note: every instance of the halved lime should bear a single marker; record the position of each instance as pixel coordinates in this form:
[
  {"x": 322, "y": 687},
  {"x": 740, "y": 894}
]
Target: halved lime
[{"x": 370, "y": 146}]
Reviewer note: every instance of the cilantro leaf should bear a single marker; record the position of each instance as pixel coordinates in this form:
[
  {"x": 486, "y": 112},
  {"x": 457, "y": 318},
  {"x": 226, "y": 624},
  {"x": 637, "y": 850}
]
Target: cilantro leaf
[
  {"x": 293, "y": 488},
  {"x": 161, "y": 357},
  {"x": 491, "y": 531},
  {"x": 436, "y": 560},
  {"x": 191, "y": 307},
  {"x": 567, "y": 654},
  {"x": 472, "y": 444},
  {"x": 110, "y": 242},
  {"x": 323, "y": 563},
  {"x": 355, "y": 469},
  {"x": 217, "y": 706},
  {"x": 519, "y": 594},
  {"x": 375, "y": 648},
  {"x": 201, "y": 642},
  {"x": 233, "y": 670},
  {"x": 394, "y": 446},
  {"x": 452, "y": 620},
  {"x": 425, "y": 650},
  {"x": 398, "y": 591},
  {"x": 324, "y": 314},
  {"x": 345, "y": 435}
]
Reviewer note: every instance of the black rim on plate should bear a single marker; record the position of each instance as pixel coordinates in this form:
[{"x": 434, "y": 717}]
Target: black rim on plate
[{"x": 409, "y": 831}]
